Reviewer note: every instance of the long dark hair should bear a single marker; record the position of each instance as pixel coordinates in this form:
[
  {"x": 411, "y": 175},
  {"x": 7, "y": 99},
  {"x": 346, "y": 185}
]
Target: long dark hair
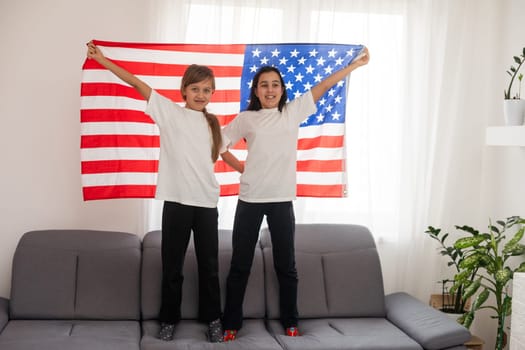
[
  {"x": 255, "y": 104},
  {"x": 196, "y": 73}
]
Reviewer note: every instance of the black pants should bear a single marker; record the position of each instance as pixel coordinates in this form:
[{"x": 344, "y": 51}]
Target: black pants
[
  {"x": 281, "y": 223},
  {"x": 178, "y": 221}
]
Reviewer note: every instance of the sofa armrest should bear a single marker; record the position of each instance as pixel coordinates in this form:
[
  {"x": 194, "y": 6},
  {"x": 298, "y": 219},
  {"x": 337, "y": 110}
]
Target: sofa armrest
[
  {"x": 4, "y": 312},
  {"x": 431, "y": 328}
]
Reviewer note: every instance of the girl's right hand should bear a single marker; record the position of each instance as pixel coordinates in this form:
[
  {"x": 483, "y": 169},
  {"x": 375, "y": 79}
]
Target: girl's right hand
[{"x": 93, "y": 51}]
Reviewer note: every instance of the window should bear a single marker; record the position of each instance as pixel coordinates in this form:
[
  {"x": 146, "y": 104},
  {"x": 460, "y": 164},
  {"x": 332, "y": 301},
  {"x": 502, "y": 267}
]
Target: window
[{"x": 373, "y": 121}]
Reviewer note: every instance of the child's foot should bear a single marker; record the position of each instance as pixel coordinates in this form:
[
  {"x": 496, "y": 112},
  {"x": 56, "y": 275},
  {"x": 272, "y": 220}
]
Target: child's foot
[
  {"x": 292, "y": 332},
  {"x": 215, "y": 331},
  {"x": 229, "y": 335},
  {"x": 166, "y": 331}
]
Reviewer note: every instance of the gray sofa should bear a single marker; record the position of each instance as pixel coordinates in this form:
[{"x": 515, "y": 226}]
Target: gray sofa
[{"x": 101, "y": 290}]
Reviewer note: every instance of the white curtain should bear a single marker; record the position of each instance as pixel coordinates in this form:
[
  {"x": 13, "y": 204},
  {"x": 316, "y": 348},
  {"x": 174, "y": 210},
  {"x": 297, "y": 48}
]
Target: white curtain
[{"x": 415, "y": 124}]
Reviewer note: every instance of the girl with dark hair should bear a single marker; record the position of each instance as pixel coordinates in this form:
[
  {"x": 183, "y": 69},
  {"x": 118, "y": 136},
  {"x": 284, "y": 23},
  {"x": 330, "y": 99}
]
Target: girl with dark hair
[
  {"x": 190, "y": 143},
  {"x": 270, "y": 127}
]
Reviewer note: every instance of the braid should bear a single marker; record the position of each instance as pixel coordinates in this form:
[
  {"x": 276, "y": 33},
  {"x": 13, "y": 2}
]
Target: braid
[{"x": 216, "y": 135}]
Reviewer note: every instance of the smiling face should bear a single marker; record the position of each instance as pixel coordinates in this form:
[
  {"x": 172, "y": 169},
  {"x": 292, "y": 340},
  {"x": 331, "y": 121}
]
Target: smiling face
[
  {"x": 269, "y": 89},
  {"x": 198, "y": 95}
]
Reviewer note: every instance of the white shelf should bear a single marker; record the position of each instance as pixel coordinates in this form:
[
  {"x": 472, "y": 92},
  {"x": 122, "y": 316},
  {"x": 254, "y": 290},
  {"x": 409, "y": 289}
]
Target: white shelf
[{"x": 505, "y": 135}]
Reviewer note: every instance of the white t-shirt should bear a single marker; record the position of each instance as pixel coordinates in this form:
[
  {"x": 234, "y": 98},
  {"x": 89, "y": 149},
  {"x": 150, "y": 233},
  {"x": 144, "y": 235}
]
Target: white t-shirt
[
  {"x": 186, "y": 170},
  {"x": 271, "y": 136}
]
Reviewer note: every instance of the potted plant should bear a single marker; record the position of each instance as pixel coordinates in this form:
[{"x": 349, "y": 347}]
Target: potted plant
[
  {"x": 451, "y": 298},
  {"x": 514, "y": 106},
  {"x": 488, "y": 255}
]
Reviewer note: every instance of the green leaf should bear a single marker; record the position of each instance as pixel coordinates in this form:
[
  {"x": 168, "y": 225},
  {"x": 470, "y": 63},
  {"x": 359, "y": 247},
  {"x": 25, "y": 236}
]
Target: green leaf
[
  {"x": 462, "y": 277},
  {"x": 517, "y": 236},
  {"x": 480, "y": 299},
  {"x": 514, "y": 250},
  {"x": 520, "y": 268},
  {"x": 517, "y": 59},
  {"x": 502, "y": 276},
  {"x": 466, "y": 242},
  {"x": 470, "y": 262},
  {"x": 470, "y": 290},
  {"x": 468, "y": 229},
  {"x": 467, "y": 321}
]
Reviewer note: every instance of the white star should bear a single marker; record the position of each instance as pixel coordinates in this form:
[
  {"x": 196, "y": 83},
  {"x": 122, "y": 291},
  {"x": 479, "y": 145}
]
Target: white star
[
  {"x": 289, "y": 85},
  {"x": 291, "y": 69},
  {"x": 301, "y": 60},
  {"x": 318, "y": 78},
  {"x": 320, "y": 61},
  {"x": 256, "y": 53},
  {"x": 338, "y": 99},
  {"x": 313, "y": 53},
  {"x": 275, "y": 53},
  {"x": 253, "y": 69},
  {"x": 322, "y": 101},
  {"x": 350, "y": 52},
  {"x": 339, "y": 61},
  {"x": 299, "y": 77},
  {"x": 320, "y": 118},
  {"x": 328, "y": 70},
  {"x": 336, "y": 116},
  {"x": 307, "y": 86},
  {"x": 340, "y": 83},
  {"x": 310, "y": 69},
  {"x": 294, "y": 53},
  {"x": 332, "y": 53},
  {"x": 283, "y": 61},
  {"x": 264, "y": 61},
  {"x": 331, "y": 92},
  {"x": 329, "y": 108},
  {"x": 297, "y": 94}
]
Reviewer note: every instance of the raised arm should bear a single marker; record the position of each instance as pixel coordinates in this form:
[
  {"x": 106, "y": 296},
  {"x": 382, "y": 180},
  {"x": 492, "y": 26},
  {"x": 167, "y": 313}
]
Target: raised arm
[
  {"x": 325, "y": 84},
  {"x": 95, "y": 53}
]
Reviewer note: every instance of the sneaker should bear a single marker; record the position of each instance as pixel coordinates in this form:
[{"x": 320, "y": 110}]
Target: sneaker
[
  {"x": 292, "y": 332},
  {"x": 166, "y": 331},
  {"x": 215, "y": 331},
  {"x": 229, "y": 335}
]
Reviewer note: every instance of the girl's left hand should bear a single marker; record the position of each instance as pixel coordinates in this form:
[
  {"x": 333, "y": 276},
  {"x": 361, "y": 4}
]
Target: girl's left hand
[{"x": 363, "y": 58}]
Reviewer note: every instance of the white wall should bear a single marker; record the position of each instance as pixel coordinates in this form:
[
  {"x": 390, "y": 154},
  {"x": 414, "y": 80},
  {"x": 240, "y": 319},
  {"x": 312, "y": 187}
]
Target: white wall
[
  {"x": 503, "y": 189},
  {"x": 42, "y": 51}
]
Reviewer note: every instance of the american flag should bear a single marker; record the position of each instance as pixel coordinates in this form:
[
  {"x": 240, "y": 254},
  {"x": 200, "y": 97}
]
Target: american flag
[{"x": 120, "y": 144}]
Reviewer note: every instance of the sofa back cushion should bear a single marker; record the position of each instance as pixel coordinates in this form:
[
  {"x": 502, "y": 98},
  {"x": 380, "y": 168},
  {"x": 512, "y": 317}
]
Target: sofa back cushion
[
  {"x": 76, "y": 274},
  {"x": 253, "y": 306},
  {"x": 339, "y": 272}
]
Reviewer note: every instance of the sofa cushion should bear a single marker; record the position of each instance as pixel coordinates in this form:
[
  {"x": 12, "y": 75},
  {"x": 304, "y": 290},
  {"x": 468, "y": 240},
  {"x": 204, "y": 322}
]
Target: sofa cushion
[
  {"x": 339, "y": 272},
  {"x": 345, "y": 333},
  {"x": 152, "y": 277},
  {"x": 76, "y": 274},
  {"x": 430, "y": 327},
  {"x": 189, "y": 334},
  {"x": 78, "y": 335}
]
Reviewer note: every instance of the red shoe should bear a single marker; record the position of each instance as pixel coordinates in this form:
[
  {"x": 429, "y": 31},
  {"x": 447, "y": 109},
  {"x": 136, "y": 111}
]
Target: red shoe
[
  {"x": 292, "y": 332},
  {"x": 229, "y": 335}
]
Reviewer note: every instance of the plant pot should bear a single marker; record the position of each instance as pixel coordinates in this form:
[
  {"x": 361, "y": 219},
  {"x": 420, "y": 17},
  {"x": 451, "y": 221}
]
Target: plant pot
[{"x": 514, "y": 112}]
